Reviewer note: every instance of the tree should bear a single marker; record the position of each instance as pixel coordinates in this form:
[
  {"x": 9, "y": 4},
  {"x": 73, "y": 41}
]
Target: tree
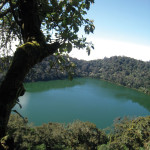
[{"x": 42, "y": 28}]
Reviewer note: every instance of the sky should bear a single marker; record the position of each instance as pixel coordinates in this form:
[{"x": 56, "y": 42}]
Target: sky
[{"x": 122, "y": 28}]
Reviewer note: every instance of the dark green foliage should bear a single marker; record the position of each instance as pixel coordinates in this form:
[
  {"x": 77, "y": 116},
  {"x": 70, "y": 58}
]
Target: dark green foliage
[
  {"x": 55, "y": 136},
  {"x": 130, "y": 134},
  {"x": 120, "y": 70},
  {"x": 126, "y": 134},
  {"x": 59, "y": 20},
  {"x": 51, "y": 68},
  {"x": 124, "y": 71}
]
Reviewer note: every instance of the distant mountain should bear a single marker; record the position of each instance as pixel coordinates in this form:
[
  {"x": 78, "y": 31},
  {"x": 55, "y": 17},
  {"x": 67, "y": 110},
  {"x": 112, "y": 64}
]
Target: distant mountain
[{"x": 123, "y": 71}]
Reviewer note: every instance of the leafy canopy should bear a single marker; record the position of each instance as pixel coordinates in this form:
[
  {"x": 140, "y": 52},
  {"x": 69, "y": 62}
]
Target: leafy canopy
[{"x": 60, "y": 21}]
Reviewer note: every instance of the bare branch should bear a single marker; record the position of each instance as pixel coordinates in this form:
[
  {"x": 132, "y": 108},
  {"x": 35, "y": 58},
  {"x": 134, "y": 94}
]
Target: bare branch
[
  {"x": 13, "y": 12},
  {"x": 4, "y": 13}
]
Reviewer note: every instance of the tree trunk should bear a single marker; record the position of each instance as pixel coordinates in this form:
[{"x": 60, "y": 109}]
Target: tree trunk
[
  {"x": 11, "y": 88},
  {"x": 26, "y": 56}
]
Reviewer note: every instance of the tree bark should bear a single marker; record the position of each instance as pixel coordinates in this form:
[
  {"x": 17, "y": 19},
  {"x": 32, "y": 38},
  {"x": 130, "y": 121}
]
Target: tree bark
[
  {"x": 11, "y": 88},
  {"x": 26, "y": 56}
]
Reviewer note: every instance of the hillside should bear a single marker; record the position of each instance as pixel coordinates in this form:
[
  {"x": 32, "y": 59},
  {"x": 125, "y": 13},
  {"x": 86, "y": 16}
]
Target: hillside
[{"x": 123, "y": 71}]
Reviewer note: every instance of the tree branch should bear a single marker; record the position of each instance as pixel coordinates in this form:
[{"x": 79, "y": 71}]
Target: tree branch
[
  {"x": 2, "y": 14},
  {"x": 3, "y": 3},
  {"x": 13, "y": 12},
  {"x": 25, "y": 57}
]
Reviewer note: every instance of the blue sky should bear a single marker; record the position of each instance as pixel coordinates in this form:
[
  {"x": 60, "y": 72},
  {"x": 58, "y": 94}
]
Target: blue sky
[{"x": 122, "y": 28}]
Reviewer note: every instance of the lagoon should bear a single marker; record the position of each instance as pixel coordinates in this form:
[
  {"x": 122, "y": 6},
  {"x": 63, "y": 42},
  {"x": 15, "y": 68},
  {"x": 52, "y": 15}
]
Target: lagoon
[{"x": 82, "y": 99}]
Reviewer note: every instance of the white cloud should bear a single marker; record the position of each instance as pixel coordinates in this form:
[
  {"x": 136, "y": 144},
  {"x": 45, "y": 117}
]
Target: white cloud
[{"x": 108, "y": 48}]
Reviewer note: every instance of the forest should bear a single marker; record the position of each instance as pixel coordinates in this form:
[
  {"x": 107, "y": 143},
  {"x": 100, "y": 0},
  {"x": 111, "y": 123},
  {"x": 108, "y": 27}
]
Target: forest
[
  {"x": 123, "y": 71},
  {"x": 125, "y": 134}
]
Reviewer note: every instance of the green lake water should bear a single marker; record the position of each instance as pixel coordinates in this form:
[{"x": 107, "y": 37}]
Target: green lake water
[{"x": 82, "y": 99}]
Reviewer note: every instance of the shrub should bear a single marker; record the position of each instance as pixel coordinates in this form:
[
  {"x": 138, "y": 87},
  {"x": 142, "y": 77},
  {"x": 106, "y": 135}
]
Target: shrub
[
  {"x": 131, "y": 134},
  {"x": 76, "y": 135},
  {"x": 126, "y": 135}
]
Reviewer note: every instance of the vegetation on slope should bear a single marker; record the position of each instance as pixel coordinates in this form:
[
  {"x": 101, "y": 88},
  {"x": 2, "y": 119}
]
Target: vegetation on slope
[
  {"x": 124, "y": 71},
  {"x": 125, "y": 135}
]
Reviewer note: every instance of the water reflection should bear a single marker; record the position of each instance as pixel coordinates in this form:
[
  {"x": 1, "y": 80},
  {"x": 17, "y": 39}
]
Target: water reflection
[
  {"x": 50, "y": 85},
  {"x": 136, "y": 97},
  {"x": 119, "y": 92},
  {"x": 124, "y": 94},
  {"x": 85, "y": 99}
]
